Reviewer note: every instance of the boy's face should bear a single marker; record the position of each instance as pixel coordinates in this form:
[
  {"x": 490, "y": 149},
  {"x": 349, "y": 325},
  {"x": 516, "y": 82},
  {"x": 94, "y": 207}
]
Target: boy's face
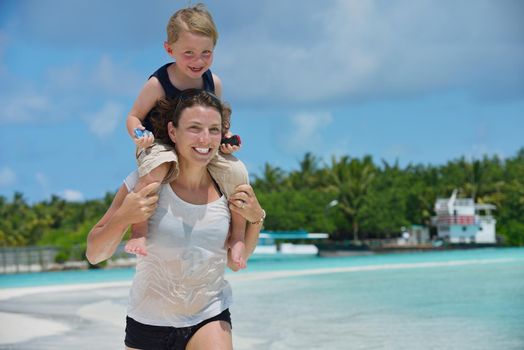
[{"x": 193, "y": 53}]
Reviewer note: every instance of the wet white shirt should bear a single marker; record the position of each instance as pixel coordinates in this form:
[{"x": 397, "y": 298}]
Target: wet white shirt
[{"x": 181, "y": 281}]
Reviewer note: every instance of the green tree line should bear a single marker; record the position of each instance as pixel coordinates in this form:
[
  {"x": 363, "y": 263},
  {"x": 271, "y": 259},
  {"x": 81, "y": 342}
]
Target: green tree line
[
  {"x": 350, "y": 198},
  {"x": 376, "y": 200}
]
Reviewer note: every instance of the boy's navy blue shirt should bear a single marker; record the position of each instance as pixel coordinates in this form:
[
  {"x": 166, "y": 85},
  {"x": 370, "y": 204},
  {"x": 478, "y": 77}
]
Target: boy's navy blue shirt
[{"x": 172, "y": 91}]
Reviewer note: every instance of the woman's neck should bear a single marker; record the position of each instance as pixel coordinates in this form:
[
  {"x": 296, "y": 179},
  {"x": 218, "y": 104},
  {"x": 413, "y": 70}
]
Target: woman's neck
[
  {"x": 192, "y": 178},
  {"x": 195, "y": 186}
]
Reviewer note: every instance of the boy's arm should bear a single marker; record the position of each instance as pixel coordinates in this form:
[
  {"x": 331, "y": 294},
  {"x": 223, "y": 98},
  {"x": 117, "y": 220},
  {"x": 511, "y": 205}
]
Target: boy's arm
[
  {"x": 226, "y": 149},
  {"x": 218, "y": 85},
  {"x": 148, "y": 96}
]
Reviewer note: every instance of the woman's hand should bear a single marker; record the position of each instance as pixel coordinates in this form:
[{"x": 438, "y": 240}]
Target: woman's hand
[
  {"x": 126, "y": 209},
  {"x": 139, "y": 206},
  {"x": 245, "y": 203}
]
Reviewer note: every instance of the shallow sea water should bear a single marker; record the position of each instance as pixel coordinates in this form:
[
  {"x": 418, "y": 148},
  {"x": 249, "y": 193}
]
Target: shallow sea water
[
  {"x": 444, "y": 300},
  {"x": 471, "y": 299}
]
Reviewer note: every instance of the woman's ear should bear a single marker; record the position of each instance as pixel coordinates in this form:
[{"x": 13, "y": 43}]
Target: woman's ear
[{"x": 171, "y": 130}]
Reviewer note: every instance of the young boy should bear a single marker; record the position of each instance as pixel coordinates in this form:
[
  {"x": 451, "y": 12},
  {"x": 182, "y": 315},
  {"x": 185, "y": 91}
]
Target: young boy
[{"x": 191, "y": 39}]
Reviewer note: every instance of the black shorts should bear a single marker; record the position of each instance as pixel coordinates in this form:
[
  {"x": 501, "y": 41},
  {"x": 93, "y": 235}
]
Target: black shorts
[{"x": 147, "y": 337}]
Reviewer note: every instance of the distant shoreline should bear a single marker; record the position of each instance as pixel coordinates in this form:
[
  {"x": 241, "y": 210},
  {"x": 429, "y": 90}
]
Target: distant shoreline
[
  {"x": 326, "y": 250},
  {"x": 333, "y": 249}
]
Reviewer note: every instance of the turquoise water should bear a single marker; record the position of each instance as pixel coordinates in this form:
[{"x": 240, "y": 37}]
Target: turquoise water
[
  {"x": 259, "y": 264},
  {"x": 462, "y": 299},
  {"x": 477, "y": 305}
]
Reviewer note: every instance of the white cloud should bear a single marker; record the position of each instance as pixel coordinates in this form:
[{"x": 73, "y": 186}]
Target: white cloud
[
  {"x": 306, "y": 131},
  {"x": 7, "y": 177},
  {"x": 104, "y": 73},
  {"x": 103, "y": 77},
  {"x": 479, "y": 150},
  {"x": 374, "y": 50},
  {"x": 72, "y": 195},
  {"x": 64, "y": 91},
  {"x": 95, "y": 24},
  {"x": 103, "y": 122},
  {"x": 23, "y": 108},
  {"x": 337, "y": 51},
  {"x": 43, "y": 182},
  {"x": 396, "y": 151}
]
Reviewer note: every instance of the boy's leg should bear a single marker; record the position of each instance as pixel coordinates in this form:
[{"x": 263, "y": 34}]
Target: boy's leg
[
  {"x": 229, "y": 172},
  {"x": 137, "y": 243},
  {"x": 157, "y": 163},
  {"x": 236, "y": 240}
]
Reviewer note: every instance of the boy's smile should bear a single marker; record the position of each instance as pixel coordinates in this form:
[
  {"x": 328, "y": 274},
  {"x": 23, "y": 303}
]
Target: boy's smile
[
  {"x": 193, "y": 54},
  {"x": 197, "y": 70}
]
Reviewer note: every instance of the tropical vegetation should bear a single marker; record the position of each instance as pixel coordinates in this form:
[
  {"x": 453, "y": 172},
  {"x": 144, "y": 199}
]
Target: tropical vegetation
[{"x": 350, "y": 198}]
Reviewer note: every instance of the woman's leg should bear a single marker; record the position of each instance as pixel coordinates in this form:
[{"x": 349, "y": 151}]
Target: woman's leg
[{"x": 214, "y": 335}]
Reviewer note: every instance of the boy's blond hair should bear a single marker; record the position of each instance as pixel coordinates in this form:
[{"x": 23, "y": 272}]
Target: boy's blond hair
[{"x": 194, "y": 19}]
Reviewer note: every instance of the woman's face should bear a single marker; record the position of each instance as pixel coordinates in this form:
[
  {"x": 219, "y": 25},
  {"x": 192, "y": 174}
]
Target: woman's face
[{"x": 198, "y": 135}]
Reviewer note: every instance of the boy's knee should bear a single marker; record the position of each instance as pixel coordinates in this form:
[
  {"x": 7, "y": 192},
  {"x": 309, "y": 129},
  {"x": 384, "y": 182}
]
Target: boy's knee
[
  {"x": 163, "y": 168},
  {"x": 162, "y": 173},
  {"x": 228, "y": 172}
]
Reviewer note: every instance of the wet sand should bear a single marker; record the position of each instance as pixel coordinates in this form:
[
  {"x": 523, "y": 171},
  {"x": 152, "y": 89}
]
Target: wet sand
[
  {"x": 289, "y": 309},
  {"x": 83, "y": 316}
]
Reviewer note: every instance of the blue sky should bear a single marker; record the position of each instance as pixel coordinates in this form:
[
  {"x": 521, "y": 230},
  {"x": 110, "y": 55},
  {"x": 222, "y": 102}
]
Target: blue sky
[{"x": 414, "y": 81}]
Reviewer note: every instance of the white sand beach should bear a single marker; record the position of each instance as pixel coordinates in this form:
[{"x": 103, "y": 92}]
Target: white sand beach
[
  {"x": 106, "y": 309},
  {"x": 92, "y": 316},
  {"x": 22, "y": 326},
  {"x": 19, "y": 328}
]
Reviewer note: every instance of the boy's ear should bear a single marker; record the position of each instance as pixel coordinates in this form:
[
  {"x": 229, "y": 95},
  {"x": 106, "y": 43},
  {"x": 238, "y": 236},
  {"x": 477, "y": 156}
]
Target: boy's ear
[{"x": 168, "y": 48}]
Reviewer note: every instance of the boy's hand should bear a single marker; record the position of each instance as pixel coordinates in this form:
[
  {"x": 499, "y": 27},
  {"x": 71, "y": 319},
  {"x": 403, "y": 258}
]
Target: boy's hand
[
  {"x": 228, "y": 149},
  {"x": 230, "y": 143},
  {"x": 143, "y": 138},
  {"x": 145, "y": 141}
]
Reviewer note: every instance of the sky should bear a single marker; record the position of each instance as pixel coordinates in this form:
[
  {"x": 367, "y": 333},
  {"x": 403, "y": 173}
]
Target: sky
[{"x": 417, "y": 82}]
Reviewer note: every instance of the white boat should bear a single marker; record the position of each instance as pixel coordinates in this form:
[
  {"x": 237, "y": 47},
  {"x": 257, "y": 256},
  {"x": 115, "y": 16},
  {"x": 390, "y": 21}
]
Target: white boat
[{"x": 280, "y": 243}]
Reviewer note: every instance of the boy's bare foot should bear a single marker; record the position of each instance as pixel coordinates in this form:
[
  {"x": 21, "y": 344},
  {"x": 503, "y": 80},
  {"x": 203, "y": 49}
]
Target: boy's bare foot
[
  {"x": 136, "y": 246},
  {"x": 237, "y": 255},
  {"x": 232, "y": 266}
]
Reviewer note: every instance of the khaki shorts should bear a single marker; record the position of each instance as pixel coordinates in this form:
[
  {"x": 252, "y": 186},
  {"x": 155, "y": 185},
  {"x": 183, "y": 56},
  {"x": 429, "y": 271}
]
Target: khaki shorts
[
  {"x": 158, "y": 153},
  {"x": 226, "y": 170}
]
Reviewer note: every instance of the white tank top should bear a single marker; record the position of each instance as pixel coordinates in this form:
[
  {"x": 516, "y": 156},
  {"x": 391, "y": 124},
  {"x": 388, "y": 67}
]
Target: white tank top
[{"x": 181, "y": 282}]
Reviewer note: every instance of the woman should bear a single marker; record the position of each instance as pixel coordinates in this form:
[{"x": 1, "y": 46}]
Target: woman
[{"x": 179, "y": 298}]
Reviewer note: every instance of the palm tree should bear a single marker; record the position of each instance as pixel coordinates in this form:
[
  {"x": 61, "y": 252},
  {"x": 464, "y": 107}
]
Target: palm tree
[
  {"x": 271, "y": 180},
  {"x": 350, "y": 179},
  {"x": 307, "y": 175}
]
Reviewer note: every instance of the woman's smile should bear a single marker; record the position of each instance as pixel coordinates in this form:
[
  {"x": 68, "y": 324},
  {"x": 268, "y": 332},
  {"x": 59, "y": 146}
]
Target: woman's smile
[{"x": 202, "y": 150}]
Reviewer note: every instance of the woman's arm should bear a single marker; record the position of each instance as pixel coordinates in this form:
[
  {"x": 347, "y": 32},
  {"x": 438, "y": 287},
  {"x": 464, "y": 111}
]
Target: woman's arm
[
  {"x": 127, "y": 208},
  {"x": 244, "y": 201}
]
